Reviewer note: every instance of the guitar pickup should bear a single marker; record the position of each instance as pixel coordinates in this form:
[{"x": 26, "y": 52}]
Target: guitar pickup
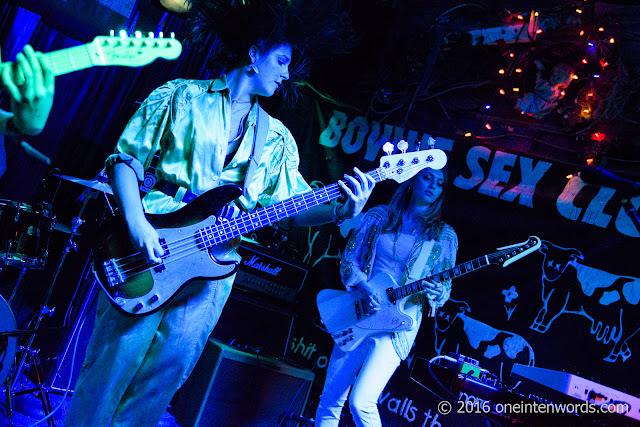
[
  {"x": 165, "y": 247},
  {"x": 158, "y": 268}
]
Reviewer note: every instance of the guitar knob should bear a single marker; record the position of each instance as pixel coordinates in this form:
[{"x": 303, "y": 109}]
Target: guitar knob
[
  {"x": 429, "y": 159},
  {"x": 401, "y": 162},
  {"x": 415, "y": 161},
  {"x": 403, "y": 145}
]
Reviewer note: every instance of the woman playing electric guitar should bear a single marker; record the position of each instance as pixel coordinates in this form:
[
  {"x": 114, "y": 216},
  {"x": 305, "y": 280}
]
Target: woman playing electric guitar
[{"x": 407, "y": 240}]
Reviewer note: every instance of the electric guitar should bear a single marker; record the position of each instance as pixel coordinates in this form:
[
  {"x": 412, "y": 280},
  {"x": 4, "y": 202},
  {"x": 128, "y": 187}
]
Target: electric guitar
[
  {"x": 349, "y": 318},
  {"x": 108, "y": 50},
  {"x": 199, "y": 245}
]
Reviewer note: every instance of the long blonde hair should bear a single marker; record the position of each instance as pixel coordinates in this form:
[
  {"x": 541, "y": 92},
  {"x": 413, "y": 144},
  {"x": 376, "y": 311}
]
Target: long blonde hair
[{"x": 431, "y": 222}]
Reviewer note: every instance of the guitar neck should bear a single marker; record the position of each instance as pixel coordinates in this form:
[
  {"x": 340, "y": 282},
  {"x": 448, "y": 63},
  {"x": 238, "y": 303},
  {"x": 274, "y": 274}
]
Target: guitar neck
[
  {"x": 504, "y": 256},
  {"x": 247, "y": 222},
  {"x": 452, "y": 273},
  {"x": 71, "y": 59},
  {"x": 61, "y": 62}
]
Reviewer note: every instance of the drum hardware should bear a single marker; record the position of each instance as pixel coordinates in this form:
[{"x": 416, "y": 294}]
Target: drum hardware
[
  {"x": 24, "y": 233},
  {"x": 14, "y": 388},
  {"x": 97, "y": 184}
]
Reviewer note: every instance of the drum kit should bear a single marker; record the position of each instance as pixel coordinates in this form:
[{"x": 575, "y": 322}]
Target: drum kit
[{"x": 25, "y": 231}]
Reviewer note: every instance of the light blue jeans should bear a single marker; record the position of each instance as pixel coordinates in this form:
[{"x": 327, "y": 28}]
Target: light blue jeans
[
  {"x": 368, "y": 368},
  {"x": 135, "y": 364}
]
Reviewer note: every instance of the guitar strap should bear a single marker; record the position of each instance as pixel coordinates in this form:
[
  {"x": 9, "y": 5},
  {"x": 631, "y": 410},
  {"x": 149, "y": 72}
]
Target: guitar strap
[
  {"x": 418, "y": 268},
  {"x": 259, "y": 139},
  {"x": 261, "y": 128}
]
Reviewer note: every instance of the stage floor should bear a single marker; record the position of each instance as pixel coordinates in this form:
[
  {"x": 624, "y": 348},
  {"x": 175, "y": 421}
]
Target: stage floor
[{"x": 28, "y": 411}]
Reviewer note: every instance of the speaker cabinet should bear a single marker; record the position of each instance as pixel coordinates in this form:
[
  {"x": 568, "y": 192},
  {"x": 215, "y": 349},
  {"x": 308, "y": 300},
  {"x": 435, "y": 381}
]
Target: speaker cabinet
[
  {"x": 229, "y": 387},
  {"x": 253, "y": 322}
]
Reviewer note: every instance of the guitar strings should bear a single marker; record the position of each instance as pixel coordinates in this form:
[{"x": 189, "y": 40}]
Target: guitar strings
[
  {"x": 185, "y": 245},
  {"x": 247, "y": 221},
  {"x": 142, "y": 262},
  {"x": 226, "y": 227},
  {"x": 398, "y": 293}
]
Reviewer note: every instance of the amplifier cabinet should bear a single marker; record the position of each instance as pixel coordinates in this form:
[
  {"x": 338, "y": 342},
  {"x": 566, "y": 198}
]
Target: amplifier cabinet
[
  {"x": 230, "y": 387},
  {"x": 270, "y": 273}
]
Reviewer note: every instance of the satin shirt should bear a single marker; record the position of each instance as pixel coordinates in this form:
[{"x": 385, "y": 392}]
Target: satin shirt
[{"x": 187, "y": 123}]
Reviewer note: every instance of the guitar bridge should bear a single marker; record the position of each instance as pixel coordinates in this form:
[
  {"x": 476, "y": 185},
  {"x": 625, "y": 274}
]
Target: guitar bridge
[{"x": 113, "y": 273}]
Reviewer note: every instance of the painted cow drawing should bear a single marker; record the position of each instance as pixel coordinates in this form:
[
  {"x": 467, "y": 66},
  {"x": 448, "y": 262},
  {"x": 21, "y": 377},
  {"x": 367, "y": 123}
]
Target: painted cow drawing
[
  {"x": 496, "y": 350},
  {"x": 609, "y": 301}
]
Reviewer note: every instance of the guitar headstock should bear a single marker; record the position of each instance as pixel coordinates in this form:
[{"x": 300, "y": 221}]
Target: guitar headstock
[
  {"x": 508, "y": 254},
  {"x": 133, "y": 51},
  {"x": 403, "y": 166}
]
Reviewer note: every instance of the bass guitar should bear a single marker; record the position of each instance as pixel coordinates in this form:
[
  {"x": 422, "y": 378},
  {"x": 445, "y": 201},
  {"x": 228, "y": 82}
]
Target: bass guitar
[
  {"x": 108, "y": 50},
  {"x": 199, "y": 245},
  {"x": 349, "y": 318}
]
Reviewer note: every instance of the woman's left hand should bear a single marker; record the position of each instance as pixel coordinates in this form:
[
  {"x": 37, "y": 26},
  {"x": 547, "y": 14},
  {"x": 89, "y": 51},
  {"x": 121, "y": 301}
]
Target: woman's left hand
[
  {"x": 358, "y": 194},
  {"x": 30, "y": 101}
]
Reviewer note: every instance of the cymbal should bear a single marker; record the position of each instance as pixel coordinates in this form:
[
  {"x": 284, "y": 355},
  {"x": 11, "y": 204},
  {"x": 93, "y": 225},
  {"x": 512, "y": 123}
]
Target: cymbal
[{"x": 94, "y": 183}]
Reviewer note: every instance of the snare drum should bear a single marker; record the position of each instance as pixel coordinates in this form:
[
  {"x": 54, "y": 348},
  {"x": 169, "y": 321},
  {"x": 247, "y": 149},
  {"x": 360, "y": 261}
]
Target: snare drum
[{"x": 24, "y": 234}]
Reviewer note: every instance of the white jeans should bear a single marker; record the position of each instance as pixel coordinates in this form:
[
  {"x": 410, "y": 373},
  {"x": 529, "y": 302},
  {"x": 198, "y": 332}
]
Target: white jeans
[
  {"x": 368, "y": 368},
  {"x": 135, "y": 364}
]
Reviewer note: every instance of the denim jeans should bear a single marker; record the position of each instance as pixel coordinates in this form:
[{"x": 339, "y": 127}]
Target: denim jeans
[
  {"x": 135, "y": 364},
  {"x": 365, "y": 371}
]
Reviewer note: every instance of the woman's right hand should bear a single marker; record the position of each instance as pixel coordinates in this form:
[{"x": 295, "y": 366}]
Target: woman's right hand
[{"x": 145, "y": 238}]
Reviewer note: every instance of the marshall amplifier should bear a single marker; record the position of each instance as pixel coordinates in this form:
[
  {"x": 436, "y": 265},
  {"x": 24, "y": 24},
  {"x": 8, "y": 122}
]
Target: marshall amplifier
[{"x": 270, "y": 273}]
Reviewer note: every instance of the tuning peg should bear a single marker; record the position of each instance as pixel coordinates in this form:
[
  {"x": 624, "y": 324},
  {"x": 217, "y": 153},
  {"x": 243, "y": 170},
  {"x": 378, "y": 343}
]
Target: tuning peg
[
  {"x": 112, "y": 33},
  {"x": 123, "y": 34},
  {"x": 173, "y": 35},
  {"x": 138, "y": 34},
  {"x": 388, "y": 148},
  {"x": 403, "y": 146},
  {"x": 431, "y": 142},
  {"x": 160, "y": 35},
  {"x": 150, "y": 34}
]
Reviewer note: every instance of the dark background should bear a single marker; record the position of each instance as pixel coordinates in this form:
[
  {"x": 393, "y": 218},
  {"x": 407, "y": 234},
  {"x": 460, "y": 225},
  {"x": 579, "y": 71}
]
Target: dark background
[{"x": 416, "y": 69}]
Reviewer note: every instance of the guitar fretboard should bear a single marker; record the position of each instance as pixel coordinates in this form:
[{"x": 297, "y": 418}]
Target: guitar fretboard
[
  {"x": 69, "y": 60},
  {"x": 457, "y": 271},
  {"x": 503, "y": 257},
  {"x": 247, "y": 222}
]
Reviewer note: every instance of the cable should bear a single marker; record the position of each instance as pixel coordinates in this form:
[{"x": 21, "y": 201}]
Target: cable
[
  {"x": 286, "y": 412},
  {"x": 458, "y": 7},
  {"x": 66, "y": 393},
  {"x": 322, "y": 328}
]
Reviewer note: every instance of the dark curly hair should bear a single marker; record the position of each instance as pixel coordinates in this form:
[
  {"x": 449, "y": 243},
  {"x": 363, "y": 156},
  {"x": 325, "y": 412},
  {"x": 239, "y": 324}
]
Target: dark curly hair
[{"x": 228, "y": 28}]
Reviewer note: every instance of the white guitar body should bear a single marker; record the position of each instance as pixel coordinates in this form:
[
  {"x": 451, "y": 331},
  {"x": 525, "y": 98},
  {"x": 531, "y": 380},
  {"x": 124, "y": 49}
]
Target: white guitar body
[{"x": 349, "y": 318}]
